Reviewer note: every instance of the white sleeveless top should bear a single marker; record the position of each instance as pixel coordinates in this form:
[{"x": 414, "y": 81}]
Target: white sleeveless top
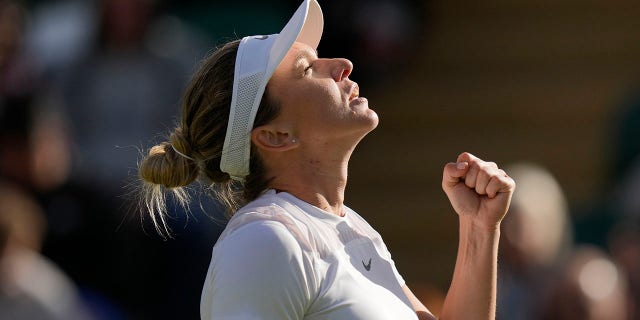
[{"x": 282, "y": 258}]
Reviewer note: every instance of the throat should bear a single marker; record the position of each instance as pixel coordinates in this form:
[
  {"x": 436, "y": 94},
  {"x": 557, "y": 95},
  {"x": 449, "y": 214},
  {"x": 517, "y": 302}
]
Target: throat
[{"x": 318, "y": 200}]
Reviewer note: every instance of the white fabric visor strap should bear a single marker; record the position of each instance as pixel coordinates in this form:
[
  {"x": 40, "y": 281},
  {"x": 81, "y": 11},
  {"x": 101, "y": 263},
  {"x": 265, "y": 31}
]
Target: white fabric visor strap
[
  {"x": 248, "y": 87},
  {"x": 256, "y": 60}
]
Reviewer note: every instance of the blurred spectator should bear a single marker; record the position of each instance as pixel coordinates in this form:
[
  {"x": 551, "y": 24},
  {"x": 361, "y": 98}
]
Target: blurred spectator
[
  {"x": 590, "y": 287},
  {"x": 623, "y": 206},
  {"x": 17, "y": 84},
  {"x": 115, "y": 99},
  {"x": 536, "y": 237},
  {"x": 119, "y": 96},
  {"x": 17, "y": 72},
  {"x": 59, "y": 34},
  {"x": 34, "y": 150},
  {"x": 34, "y": 155},
  {"x": 31, "y": 286},
  {"x": 24, "y": 126},
  {"x": 624, "y": 245}
]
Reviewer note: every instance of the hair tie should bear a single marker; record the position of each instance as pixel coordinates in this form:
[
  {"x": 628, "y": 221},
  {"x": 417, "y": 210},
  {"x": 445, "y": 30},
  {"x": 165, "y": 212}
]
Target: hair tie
[{"x": 182, "y": 154}]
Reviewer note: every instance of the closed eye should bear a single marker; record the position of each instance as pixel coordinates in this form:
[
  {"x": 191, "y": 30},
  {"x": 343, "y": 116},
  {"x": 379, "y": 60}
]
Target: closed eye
[{"x": 308, "y": 69}]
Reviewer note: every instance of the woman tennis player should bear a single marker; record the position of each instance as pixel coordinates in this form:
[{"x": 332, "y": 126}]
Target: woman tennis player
[{"x": 270, "y": 127}]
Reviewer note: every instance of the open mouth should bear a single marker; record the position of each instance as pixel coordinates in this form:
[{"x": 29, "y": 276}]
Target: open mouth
[{"x": 355, "y": 92}]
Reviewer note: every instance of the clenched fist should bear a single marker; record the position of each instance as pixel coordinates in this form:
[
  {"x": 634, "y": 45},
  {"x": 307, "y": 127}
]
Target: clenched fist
[{"x": 479, "y": 191}]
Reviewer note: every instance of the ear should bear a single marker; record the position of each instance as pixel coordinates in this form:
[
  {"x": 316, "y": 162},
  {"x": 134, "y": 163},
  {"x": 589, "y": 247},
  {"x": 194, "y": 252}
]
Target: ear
[{"x": 271, "y": 139}]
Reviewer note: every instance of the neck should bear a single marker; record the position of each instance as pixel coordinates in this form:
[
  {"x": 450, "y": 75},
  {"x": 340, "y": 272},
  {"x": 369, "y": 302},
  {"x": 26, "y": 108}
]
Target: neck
[{"x": 315, "y": 179}]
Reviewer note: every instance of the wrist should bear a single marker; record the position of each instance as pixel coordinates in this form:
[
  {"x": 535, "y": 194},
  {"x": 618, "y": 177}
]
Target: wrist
[
  {"x": 477, "y": 237},
  {"x": 478, "y": 243},
  {"x": 473, "y": 226}
]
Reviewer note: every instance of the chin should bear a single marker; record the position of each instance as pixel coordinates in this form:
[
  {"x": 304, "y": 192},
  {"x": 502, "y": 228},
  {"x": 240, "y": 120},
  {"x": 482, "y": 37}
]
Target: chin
[
  {"x": 370, "y": 122},
  {"x": 365, "y": 118},
  {"x": 374, "y": 118}
]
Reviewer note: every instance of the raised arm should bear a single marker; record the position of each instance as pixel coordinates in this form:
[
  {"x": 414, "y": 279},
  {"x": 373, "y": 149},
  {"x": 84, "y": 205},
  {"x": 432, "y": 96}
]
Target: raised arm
[{"x": 480, "y": 193}]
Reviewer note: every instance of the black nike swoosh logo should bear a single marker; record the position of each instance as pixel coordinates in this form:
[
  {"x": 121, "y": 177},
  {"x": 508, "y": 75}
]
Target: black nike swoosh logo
[{"x": 367, "y": 266}]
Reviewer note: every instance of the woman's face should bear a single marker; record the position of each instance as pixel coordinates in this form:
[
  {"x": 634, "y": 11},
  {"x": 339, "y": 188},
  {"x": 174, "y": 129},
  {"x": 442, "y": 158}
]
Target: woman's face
[{"x": 318, "y": 102}]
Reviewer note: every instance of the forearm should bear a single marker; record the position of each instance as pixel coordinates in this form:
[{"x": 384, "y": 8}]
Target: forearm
[{"x": 472, "y": 294}]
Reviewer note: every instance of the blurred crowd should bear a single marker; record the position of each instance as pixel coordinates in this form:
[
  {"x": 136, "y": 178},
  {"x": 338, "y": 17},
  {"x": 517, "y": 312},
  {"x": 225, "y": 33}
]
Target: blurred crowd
[
  {"x": 85, "y": 86},
  {"x": 544, "y": 273}
]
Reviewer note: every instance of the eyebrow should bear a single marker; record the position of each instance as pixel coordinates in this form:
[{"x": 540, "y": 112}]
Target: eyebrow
[
  {"x": 307, "y": 53},
  {"x": 304, "y": 54}
]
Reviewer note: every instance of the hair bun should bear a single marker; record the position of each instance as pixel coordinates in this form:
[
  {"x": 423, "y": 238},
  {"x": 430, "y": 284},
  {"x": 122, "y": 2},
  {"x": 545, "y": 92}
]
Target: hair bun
[{"x": 163, "y": 166}]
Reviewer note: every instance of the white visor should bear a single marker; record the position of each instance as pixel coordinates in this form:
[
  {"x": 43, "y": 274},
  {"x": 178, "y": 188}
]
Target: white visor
[{"x": 256, "y": 60}]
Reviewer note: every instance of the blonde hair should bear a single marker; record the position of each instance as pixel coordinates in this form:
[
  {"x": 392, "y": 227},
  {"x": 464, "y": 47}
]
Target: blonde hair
[{"x": 195, "y": 146}]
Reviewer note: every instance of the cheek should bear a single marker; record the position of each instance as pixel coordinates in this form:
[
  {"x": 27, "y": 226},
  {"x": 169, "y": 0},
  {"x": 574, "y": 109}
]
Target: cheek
[
  {"x": 312, "y": 105},
  {"x": 318, "y": 98},
  {"x": 327, "y": 104},
  {"x": 327, "y": 99}
]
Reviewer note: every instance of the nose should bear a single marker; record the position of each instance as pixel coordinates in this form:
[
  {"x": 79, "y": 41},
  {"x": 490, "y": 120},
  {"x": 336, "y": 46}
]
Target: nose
[{"x": 341, "y": 69}]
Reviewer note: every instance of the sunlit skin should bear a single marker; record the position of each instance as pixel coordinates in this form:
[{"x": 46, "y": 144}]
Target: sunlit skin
[
  {"x": 318, "y": 100},
  {"x": 307, "y": 147},
  {"x": 306, "y": 151}
]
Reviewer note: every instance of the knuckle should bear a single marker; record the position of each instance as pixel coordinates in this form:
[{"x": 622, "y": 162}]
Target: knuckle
[
  {"x": 488, "y": 164},
  {"x": 470, "y": 183},
  {"x": 488, "y": 169},
  {"x": 466, "y": 156}
]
